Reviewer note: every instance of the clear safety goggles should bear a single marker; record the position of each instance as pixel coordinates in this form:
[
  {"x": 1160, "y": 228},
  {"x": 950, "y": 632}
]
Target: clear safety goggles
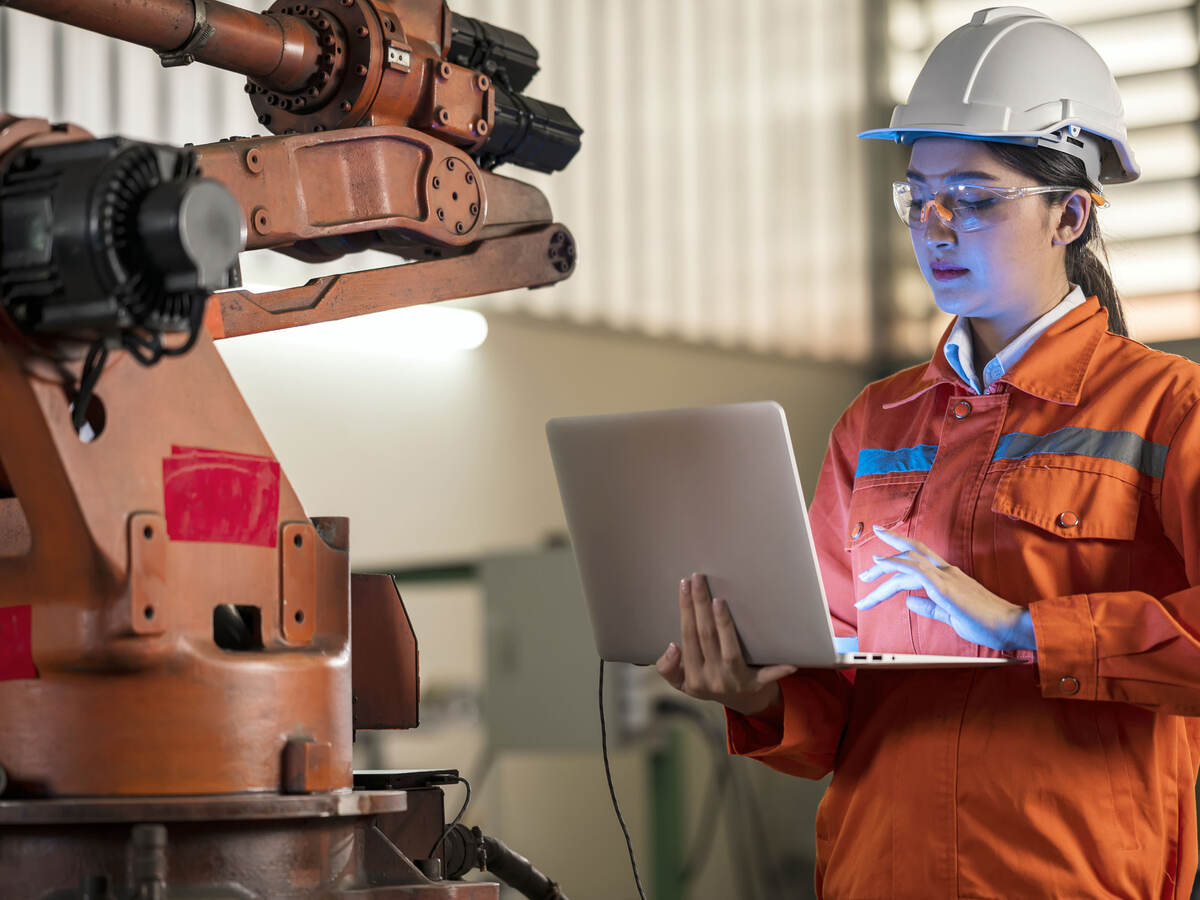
[{"x": 965, "y": 207}]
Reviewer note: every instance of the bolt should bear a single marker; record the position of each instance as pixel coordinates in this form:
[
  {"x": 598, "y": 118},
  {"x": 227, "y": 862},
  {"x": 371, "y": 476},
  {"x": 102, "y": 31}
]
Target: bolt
[
  {"x": 469, "y": 178},
  {"x": 445, "y": 70},
  {"x": 360, "y": 71},
  {"x": 437, "y": 182},
  {"x": 361, "y": 31},
  {"x": 483, "y": 83},
  {"x": 262, "y": 219},
  {"x": 254, "y": 160},
  {"x": 441, "y": 115},
  {"x": 344, "y": 106},
  {"x": 249, "y": 88},
  {"x": 474, "y": 209},
  {"x": 441, "y": 214},
  {"x": 347, "y": 2},
  {"x": 481, "y": 127},
  {"x": 459, "y": 227},
  {"x": 264, "y": 119},
  {"x": 272, "y": 100},
  {"x": 450, "y": 164}
]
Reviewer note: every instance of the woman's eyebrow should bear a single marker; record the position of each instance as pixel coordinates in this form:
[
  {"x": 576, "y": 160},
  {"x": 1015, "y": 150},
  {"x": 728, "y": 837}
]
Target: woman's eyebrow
[{"x": 953, "y": 176}]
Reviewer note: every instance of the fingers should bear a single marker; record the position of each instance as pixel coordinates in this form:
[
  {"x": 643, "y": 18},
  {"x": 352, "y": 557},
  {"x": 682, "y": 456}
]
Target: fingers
[
  {"x": 768, "y": 674},
  {"x": 706, "y": 625},
  {"x": 693, "y": 659},
  {"x": 902, "y": 544},
  {"x": 670, "y": 666},
  {"x": 903, "y": 581},
  {"x": 923, "y": 606},
  {"x": 727, "y": 636}
]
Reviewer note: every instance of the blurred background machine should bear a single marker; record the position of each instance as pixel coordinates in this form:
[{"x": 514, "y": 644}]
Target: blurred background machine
[{"x": 177, "y": 688}]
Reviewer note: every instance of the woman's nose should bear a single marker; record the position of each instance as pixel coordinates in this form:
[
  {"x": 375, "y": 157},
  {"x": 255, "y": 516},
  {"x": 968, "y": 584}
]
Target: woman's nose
[{"x": 938, "y": 232}]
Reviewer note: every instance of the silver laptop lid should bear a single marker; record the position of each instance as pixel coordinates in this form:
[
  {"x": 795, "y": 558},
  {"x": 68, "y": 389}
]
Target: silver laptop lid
[{"x": 651, "y": 497}]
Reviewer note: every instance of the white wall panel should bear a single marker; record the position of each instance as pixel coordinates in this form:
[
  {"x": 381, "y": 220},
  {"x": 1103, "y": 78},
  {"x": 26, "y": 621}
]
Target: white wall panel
[{"x": 718, "y": 196}]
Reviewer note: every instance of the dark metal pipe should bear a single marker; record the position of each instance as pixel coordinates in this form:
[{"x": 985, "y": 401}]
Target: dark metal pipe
[{"x": 280, "y": 52}]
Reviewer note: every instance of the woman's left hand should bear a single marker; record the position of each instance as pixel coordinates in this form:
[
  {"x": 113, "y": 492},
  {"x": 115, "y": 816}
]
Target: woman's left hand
[{"x": 951, "y": 596}]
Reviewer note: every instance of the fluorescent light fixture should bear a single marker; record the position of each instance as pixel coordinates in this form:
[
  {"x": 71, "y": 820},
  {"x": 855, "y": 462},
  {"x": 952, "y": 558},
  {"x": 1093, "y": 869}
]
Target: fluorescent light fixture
[{"x": 415, "y": 332}]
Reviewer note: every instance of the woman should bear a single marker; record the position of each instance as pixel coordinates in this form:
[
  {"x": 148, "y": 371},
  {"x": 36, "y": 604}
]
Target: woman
[{"x": 1034, "y": 490}]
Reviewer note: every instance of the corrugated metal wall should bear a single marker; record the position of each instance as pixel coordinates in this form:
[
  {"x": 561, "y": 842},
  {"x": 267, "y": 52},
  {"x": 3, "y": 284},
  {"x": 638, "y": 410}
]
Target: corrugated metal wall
[
  {"x": 719, "y": 194},
  {"x": 1152, "y": 228}
]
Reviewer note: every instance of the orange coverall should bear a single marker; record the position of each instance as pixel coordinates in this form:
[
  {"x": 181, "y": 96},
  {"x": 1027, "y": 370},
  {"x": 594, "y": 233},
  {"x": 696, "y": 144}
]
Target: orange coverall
[{"x": 1072, "y": 487}]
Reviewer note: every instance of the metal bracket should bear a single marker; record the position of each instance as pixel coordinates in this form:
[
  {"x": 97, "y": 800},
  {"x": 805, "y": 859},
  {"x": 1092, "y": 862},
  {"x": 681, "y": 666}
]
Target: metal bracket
[{"x": 201, "y": 32}]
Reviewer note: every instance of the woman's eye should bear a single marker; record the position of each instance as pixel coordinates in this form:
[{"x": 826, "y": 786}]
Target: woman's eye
[{"x": 976, "y": 203}]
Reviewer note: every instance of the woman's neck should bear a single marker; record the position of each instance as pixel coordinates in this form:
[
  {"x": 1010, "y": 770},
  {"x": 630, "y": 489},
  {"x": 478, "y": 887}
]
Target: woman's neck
[{"x": 992, "y": 334}]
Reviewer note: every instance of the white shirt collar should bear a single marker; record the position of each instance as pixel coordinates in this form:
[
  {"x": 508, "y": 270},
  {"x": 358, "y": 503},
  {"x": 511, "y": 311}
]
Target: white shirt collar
[{"x": 960, "y": 347}]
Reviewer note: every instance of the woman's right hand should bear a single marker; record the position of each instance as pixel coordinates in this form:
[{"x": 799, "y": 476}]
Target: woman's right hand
[{"x": 710, "y": 665}]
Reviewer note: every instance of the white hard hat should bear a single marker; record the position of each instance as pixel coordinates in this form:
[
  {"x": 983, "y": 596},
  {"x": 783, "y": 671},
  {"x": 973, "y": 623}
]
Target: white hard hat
[{"x": 1017, "y": 76}]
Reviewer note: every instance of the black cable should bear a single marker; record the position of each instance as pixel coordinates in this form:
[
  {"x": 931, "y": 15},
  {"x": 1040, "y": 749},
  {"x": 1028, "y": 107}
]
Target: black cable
[
  {"x": 637, "y": 879},
  {"x": 457, "y": 819},
  {"x": 93, "y": 365}
]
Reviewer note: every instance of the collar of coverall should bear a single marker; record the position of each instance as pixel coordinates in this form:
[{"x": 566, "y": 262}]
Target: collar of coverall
[{"x": 1052, "y": 369}]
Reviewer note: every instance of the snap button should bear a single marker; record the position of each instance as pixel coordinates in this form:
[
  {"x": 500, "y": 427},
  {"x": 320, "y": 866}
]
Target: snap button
[
  {"x": 856, "y": 531},
  {"x": 962, "y": 409},
  {"x": 1067, "y": 519},
  {"x": 1069, "y": 685}
]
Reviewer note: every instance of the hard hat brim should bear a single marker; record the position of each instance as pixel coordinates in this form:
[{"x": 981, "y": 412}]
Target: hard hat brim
[{"x": 1120, "y": 167}]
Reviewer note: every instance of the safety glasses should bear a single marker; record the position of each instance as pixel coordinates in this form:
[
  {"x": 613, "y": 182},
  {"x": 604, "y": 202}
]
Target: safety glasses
[{"x": 965, "y": 207}]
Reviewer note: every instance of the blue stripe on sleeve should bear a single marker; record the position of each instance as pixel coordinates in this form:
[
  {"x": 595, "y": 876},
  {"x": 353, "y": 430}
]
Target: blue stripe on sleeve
[{"x": 905, "y": 459}]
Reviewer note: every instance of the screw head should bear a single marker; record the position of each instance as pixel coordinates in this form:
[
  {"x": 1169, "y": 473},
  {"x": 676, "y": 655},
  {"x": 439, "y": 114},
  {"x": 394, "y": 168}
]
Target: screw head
[
  {"x": 437, "y": 182},
  {"x": 441, "y": 214},
  {"x": 360, "y": 70},
  {"x": 344, "y": 106},
  {"x": 361, "y": 31}
]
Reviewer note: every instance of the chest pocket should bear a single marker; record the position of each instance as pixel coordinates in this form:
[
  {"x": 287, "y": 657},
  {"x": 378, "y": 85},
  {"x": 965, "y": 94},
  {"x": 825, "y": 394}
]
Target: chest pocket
[
  {"x": 886, "y": 628},
  {"x": 1062, "y": 530}
]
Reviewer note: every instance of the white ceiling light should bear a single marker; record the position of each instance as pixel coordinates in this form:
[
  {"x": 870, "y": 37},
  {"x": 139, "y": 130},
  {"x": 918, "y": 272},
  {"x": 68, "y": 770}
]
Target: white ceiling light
[{"x": 415, "y": 332}]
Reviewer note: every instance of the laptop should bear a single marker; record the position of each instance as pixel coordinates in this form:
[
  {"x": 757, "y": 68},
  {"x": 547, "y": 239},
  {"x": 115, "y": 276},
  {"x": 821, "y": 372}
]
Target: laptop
[{"x": 651, "y": 497}]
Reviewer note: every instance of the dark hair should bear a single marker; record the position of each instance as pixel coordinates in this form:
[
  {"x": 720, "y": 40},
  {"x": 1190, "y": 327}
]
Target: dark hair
[{"x": 1084, "y": 267}]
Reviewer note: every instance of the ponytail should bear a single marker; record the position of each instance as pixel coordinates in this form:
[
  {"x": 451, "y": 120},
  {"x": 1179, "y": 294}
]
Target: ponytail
[{"x": 1084, "y": 267}]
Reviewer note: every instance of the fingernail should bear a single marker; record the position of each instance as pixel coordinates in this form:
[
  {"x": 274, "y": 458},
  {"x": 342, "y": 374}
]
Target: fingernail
[
  {"x": 686, "y": 585},
  {"x": 718, "y": 602},
  {"x": 672, "y": 649}
]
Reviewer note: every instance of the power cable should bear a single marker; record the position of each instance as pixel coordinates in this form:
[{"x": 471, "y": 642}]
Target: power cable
[{"x": 637, "y": 879}]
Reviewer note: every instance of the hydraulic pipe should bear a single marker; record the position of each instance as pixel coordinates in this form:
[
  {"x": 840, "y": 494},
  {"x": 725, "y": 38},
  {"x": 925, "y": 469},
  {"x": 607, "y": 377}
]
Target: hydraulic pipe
[{"x": 278, "y": 51}]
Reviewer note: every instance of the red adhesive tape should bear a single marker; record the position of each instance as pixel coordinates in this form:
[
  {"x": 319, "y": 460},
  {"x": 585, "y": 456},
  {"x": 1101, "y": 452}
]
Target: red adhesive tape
[
  {"x": 16, "y": 643},
  {"x": 211, "y": 495}
]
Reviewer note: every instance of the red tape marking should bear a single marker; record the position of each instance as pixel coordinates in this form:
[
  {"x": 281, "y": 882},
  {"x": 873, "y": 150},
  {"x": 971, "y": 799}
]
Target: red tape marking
[
  {"x": 231, "y": 498},
  {"x": 16, "y": 643}
]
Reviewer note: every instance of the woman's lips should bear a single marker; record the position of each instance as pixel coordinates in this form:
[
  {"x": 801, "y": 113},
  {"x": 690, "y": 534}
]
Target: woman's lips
[{"x": 944, "y": 272}]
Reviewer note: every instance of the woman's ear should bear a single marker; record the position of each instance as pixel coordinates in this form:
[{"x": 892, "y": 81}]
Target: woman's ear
[{"x": 1072, "y": 217}]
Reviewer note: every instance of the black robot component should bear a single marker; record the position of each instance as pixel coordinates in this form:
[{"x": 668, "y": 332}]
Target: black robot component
[
  {"x": 502, "y": 55},
  {"x": 525, "y": 132},
  {"x": 107, "y": 238},
  {"x": 115, "y": 243},
  {"x": 531, "y": 134}
]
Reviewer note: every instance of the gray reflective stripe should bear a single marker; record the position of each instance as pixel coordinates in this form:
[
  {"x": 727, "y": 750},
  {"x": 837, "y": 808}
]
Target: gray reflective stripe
[{"x": 1132, "y": 449}]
